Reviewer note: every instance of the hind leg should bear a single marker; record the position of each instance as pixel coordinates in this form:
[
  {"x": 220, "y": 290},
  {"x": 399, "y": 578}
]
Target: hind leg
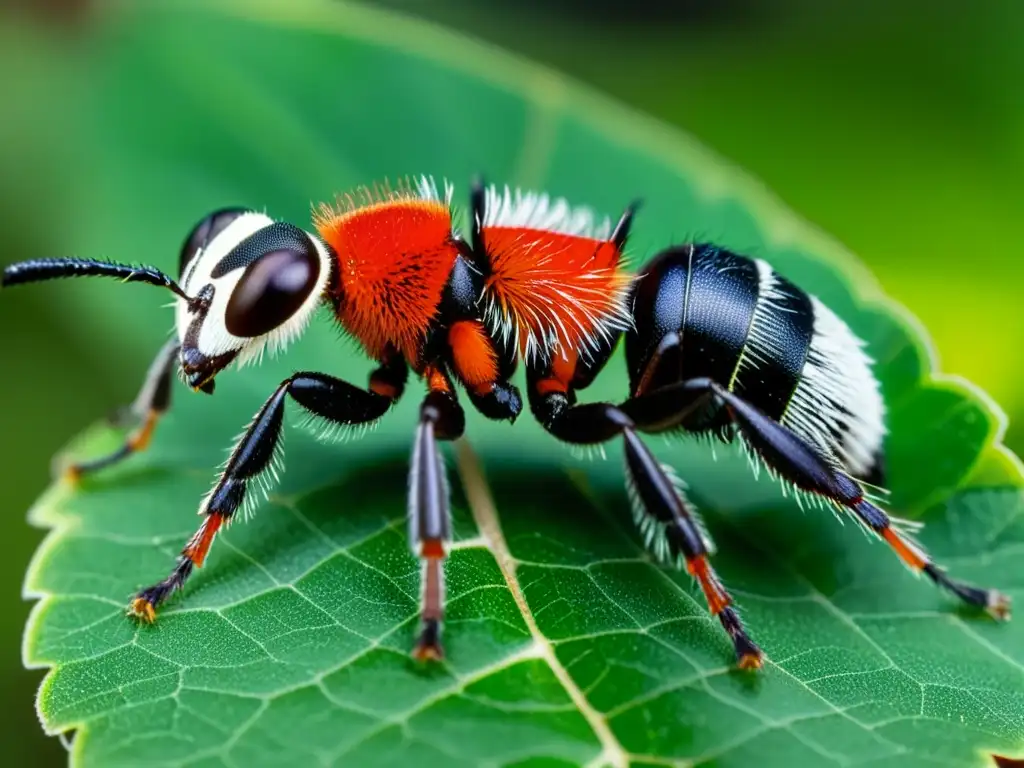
[{"x": 795, "y": 461}]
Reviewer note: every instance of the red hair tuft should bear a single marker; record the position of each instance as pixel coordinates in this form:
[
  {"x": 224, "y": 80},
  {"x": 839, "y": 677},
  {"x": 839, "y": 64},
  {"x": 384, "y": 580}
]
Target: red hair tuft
[
  {"x": 395, "y": 252},
  {"x": 557, "y": 281}
]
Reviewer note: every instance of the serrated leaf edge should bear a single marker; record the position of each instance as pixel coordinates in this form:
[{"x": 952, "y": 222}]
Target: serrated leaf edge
[{"x": 721, "y": 178}]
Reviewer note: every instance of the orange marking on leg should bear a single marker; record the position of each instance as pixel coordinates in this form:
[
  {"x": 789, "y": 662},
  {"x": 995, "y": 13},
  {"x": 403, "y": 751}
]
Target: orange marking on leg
[
  {"x": 482, "y": 389},
  {"x": 141, "y": 439},
  {"x": 907, "y": 552},
  {"x": 563, "y": 368},
  {"x": 547, "y": 386},
  {"x": 476, "y": 361},
  {"x": 645, "y": 379},
  {"x": 432, "y": 590},
  {"x": 432, "y": 548},
  {"x": 751, "y": 661},
  {"x": 428, "y": 646},
  {"x": 199, "y": 545},
  {"x": 427, "y": 652},
  {"x": 718, "y": 599},
  {"x": 142, "y": 609},
  {"x": 437, "y": 381},
  {"x": 383, "y": 388}
]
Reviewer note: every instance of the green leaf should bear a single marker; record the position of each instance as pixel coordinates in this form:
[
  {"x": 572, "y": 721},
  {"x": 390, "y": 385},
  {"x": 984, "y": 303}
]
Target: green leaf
[{"x": 566, "y": 645}]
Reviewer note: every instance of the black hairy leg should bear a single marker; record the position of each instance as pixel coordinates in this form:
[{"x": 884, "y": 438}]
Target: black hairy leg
[
  {"x": 441, "y": 418},
  {"x": 150, "y": 404},
  {"x": 333, "y": 400},
  {"x": 665, "y": 515},
  {"x": 795, "y": 461}
]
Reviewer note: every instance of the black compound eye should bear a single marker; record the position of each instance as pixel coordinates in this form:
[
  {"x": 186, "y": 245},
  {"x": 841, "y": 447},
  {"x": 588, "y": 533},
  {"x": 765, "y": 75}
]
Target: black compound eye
[
  {"x": 203, "y": 232},
  {"x": 271, "y": 290}
]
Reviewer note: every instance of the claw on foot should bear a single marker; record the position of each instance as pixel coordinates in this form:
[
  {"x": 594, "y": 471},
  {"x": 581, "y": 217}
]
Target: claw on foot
[
  {"x": 751, "y": 661},
  {"x": 428, "y": 647},
  {"x": 142, "y": 609},
  {"x": 424, "y": 652},
  {"x": 998, "y": 605}
]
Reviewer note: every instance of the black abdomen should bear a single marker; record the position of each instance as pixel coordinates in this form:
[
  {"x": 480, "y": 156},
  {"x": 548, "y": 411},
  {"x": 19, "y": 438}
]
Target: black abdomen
[{"x": 737, "y": 321}]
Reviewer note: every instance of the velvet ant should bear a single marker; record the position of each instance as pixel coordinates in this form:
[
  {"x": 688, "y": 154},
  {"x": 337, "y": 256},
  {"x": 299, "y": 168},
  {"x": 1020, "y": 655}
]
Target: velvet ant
[{"x": 716, "y": 343}]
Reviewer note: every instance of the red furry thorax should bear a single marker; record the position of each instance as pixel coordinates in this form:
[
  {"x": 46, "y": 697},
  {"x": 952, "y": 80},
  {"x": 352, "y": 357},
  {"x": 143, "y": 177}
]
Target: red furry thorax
[
  {"x": 555, "y": 288},
  {"x": 394, "y": 258}
]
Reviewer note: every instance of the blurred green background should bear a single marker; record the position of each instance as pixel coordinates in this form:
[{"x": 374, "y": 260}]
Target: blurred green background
[{"x": 898, "y": 127}]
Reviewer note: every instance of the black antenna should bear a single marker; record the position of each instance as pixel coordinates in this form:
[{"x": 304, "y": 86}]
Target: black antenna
[{"x": 36, "y": 270}]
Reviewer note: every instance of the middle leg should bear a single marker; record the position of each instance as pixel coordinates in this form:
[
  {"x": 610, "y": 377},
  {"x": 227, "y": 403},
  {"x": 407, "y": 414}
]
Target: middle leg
[
  {"x": 666, "y": 517},
  {"x": 441, "y": 418}
]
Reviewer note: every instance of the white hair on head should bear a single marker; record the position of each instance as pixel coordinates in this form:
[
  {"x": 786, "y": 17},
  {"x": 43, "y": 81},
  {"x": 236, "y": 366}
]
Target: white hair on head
[{"x": 213, "y": 338}]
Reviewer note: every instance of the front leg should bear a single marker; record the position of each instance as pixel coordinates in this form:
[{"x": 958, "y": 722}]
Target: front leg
[
  {"x": 441, "y": 418},
  {"x": 331, "y": 399},
  {"x": 150, "y": 404}
]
